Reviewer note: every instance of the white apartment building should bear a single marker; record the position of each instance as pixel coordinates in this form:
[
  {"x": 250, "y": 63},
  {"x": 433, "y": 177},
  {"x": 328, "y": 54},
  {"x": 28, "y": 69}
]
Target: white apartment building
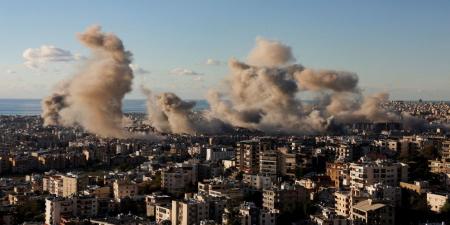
[
  {"x": 72, "y": 183},
  {"x": 76, "y": 206},
  {"x": 218, "y": 154},
  {"x": 53, "y": 184},
  {"x": 368, "y": 173},
  {"x": 63, "y": 185},
  {"x": 55, "y": 207}
]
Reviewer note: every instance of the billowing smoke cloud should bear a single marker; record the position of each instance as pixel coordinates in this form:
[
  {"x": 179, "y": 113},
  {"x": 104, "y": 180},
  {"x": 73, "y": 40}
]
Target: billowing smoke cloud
[
  {"x": 264, "y": 98},
  {"x": 93, "y": 97},
  {"x": 168, "y": 113},
  {"x": 270, "y": 53},
  {"x": 264, "y": 94},
  {"x": 53, "y": 104},
  {"x": 338, "y": 81}
]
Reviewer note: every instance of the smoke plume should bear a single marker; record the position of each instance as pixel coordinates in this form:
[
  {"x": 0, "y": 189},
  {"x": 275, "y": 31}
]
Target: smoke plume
[
  {"x": 169, "y": 114},
  {"x": 270, "y": 53},
  {"x": 92, "y": 98},
  {"x": 265, "y": 93}
]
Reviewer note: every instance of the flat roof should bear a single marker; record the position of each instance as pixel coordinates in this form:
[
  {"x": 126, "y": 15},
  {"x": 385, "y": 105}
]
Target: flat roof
[{"x": 367, "y": 205}]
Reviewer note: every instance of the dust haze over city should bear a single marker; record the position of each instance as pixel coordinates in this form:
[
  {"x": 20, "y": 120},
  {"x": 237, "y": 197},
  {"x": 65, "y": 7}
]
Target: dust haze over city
[{"x": 225, "y": 112}]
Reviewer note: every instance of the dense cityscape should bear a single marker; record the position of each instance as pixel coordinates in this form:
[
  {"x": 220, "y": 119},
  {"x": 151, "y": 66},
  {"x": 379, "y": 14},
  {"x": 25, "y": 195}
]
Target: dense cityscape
[
  {"x": 225, "y": 112},
  {"x": 372, "y": 174}
]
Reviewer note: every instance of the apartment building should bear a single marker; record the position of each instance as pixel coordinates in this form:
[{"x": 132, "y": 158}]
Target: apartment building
[
  {"x": 76, "y": 206},
  {"x": 371, "y": 172},
  {"x": 343, "y": 203},
  {"x": 123, "y": 189},
  {"x": 250, "y": 214},
  {"x": 247, "y": 154},
  {"x": 268, "y": 165},
  {"x": 258, "y": 182},
  {"x": 284, "y": 199},
  {"x": 372, "y": 212},
  {"x": 176, "y": 180},
  {"x": 188, "y": 212},
  {"x": 218, "y": 154}
]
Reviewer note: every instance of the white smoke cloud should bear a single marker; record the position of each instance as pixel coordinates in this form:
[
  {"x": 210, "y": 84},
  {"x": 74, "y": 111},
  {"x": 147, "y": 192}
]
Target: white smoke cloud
[
  {"x": 138, "y": 69},
  {"x": 36, "y": 57},
  {"x": 184, "y": 72}
]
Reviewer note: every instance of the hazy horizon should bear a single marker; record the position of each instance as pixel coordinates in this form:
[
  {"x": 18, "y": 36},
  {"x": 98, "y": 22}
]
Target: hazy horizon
[{"x": 397, "y": 47}]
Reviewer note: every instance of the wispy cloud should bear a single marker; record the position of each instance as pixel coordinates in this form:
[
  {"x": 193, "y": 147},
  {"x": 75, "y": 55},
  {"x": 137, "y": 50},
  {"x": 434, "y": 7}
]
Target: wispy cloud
[
  {"x": 184, "y": 72},
  {"x": 198, "y": 78},
  {"x": 36, "y": 57},
  {"x": 213, "y": 62},
  {"x": 139, "y": 70},
  {"x": 10, "y": 71}
]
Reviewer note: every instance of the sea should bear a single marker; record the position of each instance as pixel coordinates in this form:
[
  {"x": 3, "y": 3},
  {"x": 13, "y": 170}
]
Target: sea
[
  {"x": 30, "y": 107},
  {"x": 26, "y": 107}
]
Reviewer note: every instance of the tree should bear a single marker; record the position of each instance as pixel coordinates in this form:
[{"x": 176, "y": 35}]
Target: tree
[
  {"x": 32, "y": 210},
  {"x": 233, "y": 216}
]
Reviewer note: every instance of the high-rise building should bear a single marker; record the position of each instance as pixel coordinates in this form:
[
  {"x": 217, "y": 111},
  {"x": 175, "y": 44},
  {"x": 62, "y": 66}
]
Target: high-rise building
[
  {"x": 287, "y": 162},
  {"x": 268, "y": 165},
  {"x": 248, "y": 152}
]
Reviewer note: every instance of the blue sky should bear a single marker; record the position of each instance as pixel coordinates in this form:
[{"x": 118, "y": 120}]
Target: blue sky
[{"x": 402, "y": 47}]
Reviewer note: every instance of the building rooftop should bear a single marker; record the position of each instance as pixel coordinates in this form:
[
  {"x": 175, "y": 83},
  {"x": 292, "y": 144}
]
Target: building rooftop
[{"x": 368, "y": 205}]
